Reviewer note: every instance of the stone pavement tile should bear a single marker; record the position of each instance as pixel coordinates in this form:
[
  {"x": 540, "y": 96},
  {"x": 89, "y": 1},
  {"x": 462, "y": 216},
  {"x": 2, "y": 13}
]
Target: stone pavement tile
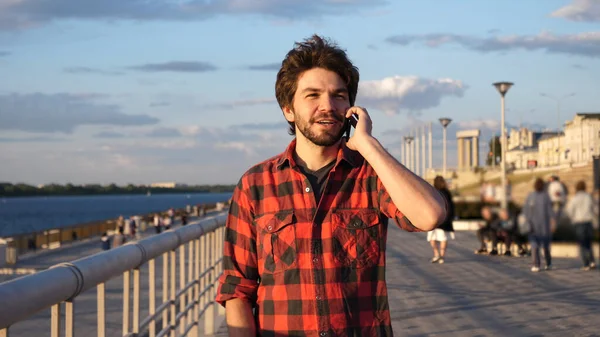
[{"x": 476, "y": 295}]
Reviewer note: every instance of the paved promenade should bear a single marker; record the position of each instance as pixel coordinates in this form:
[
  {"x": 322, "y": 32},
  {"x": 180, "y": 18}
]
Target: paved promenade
[
  {"x": 469, "y": 295},
  {"x": 475, "y": 295}
]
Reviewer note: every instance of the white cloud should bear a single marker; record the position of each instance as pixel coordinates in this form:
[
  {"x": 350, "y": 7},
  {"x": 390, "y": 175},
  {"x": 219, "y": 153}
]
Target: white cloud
[
  {"x": 137, "y": 160},
  {"x": 488, "y": 124},
  {"x": 22, "y": 14},
  {"x": 163, "y": 132},
  {"x": 239, "y": 104},
  {"x": 585, "y": 44},
  {"x": 409, "y": 93},
  {"x": 62, "y": 113},
  {"x": 248, "y": 149},
  {"x": 579, "y": 10}
]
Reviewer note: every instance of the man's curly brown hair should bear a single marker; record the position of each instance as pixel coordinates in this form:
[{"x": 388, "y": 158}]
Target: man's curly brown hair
[{"x": 314, "y": 52}]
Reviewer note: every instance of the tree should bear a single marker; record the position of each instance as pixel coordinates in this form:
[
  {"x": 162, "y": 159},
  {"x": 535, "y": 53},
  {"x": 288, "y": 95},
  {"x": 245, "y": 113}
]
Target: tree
[{"x": 495, "y": 151}]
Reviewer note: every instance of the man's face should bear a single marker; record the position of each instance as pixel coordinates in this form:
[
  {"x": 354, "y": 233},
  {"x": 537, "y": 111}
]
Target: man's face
[{"x": 319, "y": 106}]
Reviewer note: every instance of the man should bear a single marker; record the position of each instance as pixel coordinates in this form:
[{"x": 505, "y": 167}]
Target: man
[
  {"x": 304, "y": 251},
  {"x": 488, "y": 231}
]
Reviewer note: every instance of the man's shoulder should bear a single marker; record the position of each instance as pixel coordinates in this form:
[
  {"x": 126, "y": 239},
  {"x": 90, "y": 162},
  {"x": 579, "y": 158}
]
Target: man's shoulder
[{"x": 259, "y": 169}]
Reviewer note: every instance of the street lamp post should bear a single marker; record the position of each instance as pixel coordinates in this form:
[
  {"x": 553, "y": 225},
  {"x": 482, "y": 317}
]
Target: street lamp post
[
  {"x": 445, "y": 122},
  {"x": 402, "y": 150},
  {"x": 430, "y": 148},
  {"x": 423, "y": 159},
  {"x": 494, "y": 151},
  {"x": 417, "y": 152},
  {"x": 559, "y": 124},
  {"x": 408, "y": 140},
  {"x": 502, "y": 88}
]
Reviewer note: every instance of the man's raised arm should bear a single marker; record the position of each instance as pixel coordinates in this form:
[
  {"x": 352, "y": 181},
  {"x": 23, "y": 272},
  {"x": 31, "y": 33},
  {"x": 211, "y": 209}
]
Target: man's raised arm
[{"x": 415, "y": 198}]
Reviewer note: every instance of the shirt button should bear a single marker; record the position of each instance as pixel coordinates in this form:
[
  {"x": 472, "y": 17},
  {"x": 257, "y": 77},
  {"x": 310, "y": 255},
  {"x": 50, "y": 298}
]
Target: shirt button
[
  {"x": 307, "y": 189},
  {"x": 270, "y": 227},
  {"x": 323, "y": 334},
  {"x": 315, "y": 260},
  {"x": 318, "y": 298}
]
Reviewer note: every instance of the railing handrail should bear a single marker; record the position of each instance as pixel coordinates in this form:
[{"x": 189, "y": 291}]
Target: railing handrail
[{"x": 25, "y": 296}]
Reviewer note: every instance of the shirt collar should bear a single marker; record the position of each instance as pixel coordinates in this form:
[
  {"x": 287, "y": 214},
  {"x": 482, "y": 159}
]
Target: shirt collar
[{"x": 344, "y": 154}]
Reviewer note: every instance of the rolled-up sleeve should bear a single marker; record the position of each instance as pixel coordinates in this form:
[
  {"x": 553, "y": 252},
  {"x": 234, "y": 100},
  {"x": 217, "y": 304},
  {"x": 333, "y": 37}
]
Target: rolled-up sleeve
[
  {"x": 240, "y": 272},
  {"x": 389, "y": 209}
]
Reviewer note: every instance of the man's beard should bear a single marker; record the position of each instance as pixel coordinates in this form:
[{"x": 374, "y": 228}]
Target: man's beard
[{"x": 324, "y": 138}]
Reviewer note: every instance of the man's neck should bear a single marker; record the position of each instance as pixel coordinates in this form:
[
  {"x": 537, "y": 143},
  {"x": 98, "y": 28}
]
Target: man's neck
[{"x": 312, "y": 156}]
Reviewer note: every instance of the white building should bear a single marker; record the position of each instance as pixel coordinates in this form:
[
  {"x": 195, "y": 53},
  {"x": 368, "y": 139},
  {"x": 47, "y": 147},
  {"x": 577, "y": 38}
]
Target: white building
[
  {"x": 522, "y": 138},
  {"x": 529, "y": 149},
  {"x": 582, "y": 138},
  {"x": 550, "y": 146},
  {"x": 167, "y": 185}
]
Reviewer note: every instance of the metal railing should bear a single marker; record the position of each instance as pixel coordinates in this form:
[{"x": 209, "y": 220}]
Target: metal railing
[{"x": 191, "y": 255}]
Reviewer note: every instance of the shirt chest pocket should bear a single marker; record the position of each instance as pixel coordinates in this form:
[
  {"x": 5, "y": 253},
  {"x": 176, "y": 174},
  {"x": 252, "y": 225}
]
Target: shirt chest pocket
[
  {"x": 277, "y": 241},
  {"x": 356, "y": 237}
]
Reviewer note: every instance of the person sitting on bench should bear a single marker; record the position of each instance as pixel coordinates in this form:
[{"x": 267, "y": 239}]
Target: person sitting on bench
[{"x": 488, "y": 231}]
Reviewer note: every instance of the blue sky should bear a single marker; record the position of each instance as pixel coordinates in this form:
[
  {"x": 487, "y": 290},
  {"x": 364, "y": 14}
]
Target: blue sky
[{"x": 140, "y": 91}]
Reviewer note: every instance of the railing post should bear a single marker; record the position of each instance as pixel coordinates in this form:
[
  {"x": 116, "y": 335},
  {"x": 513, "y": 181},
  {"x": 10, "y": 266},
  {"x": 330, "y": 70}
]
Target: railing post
[
  {"x": 55, "y": 320},
  {"x": 101, "y": 323},
  {"x": 195, "y": 331},
  {"x": 209, "y": 314},
  {"x": 190, "y": 279},
  {"x": 152, "y": 296},
  {"x": 69, "y": 319},
  {"x": 173, "y": 324},
  {"x": 219, "y": 253},
  {"x": 126, "y": 286},
  {"x": 136, "y": 300},
  {"x": 203, "y": 278},
  {"x": 165, "y": 289},
  {"x": 182, "y": 298}
]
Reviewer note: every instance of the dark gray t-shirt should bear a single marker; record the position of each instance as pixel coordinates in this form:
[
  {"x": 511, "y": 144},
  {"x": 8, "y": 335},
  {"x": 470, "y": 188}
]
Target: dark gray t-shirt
[{"x": 317, "y": 179}]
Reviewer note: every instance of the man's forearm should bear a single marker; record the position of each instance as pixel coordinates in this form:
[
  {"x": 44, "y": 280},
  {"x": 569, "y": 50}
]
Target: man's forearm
[
  {"x": 240, "y": 320},
  {"x": 420, "y": 202}
]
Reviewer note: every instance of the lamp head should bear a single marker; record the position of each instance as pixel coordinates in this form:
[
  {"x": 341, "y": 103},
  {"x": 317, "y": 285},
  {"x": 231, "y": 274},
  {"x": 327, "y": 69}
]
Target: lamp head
[
  {"x": 503, "y": 87},
  {"x": 445, "y": 121}
]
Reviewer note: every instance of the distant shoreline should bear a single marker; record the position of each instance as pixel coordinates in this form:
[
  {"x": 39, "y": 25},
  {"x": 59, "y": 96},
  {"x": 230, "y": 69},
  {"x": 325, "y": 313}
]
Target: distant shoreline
[
  {"x": 107, "y": 194},
  {"x": 9, "y": 190}
]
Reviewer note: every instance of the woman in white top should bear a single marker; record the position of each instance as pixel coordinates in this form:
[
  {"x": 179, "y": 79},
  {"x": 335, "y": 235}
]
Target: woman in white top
[{"x": 580, "y": 210}]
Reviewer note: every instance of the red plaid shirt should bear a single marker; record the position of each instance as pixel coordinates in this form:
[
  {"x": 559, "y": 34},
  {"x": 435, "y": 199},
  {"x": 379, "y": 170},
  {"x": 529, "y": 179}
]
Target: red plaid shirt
[{"x": 310, "y": 270}]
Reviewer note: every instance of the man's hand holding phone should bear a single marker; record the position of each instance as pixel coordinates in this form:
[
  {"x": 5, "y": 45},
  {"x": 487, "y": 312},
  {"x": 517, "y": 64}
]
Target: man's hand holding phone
[{"x": 359, "y": 118}]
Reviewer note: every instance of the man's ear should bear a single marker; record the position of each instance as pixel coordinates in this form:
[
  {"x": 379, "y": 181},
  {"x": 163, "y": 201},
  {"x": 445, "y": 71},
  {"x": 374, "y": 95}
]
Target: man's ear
[{"x": 288, "y": 114}]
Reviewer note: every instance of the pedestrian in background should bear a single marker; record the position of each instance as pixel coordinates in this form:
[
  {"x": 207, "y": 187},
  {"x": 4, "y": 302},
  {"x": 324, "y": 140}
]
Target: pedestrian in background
[
  {"x": 542, "y": 222},
  {"x": 580, "y": 210},
  {"x": 438, "y": 238},
  {"x": 105, "y": 241}
]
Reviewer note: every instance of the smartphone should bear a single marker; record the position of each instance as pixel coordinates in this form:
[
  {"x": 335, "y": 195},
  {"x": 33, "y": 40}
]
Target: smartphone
[{"x": 351, "y": 123}]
